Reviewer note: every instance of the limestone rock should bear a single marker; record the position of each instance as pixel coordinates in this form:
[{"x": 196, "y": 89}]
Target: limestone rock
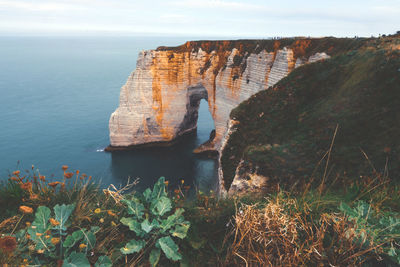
[{"x": 160, "y": 99}]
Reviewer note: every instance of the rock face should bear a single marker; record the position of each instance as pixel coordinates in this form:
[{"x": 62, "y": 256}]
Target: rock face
[{"x": 160, "y": 99}]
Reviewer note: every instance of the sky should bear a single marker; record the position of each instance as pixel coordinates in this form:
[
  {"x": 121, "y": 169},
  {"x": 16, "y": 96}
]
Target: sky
[{"x": 224, "y": 18}]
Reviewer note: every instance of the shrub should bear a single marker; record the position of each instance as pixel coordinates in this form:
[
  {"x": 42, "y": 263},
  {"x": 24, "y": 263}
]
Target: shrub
[{"x": 154, "y": 225}]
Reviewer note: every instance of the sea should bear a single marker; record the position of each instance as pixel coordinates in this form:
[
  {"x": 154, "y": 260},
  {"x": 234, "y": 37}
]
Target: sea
[{"x": 56, "y": 98}]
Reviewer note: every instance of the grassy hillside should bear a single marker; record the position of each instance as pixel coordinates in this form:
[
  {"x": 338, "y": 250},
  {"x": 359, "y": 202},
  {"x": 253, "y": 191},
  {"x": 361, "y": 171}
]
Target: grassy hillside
[
  {"x": 285, "y": 131},
  {"x": 70, "y": 221}
]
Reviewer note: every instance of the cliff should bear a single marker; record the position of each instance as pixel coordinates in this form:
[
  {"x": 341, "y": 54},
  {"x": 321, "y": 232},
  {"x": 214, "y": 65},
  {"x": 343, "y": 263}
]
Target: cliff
[
  {"x": 282, "y": 136},
  {"x": 160, "y": 99}
]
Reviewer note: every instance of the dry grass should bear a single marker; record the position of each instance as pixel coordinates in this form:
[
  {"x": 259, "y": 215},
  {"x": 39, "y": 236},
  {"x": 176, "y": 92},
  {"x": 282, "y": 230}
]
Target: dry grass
[{"x": 279, "y": 234}]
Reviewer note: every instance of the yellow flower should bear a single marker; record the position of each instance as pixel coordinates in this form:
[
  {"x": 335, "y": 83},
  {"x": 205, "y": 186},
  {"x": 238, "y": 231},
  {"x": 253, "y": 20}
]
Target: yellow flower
[
  {"x": 82, "y": 246},
  {"x": 166, "y": 183},
  {"x": 111, "y": 213},
  {"x": 47, "y": 236},
  {"x": 55, "y": 240},
  {"x": 39, "y": 234},
  {"x": 40, "y": 251},
  {"x": 182, "y": 181},
  {"x": 113, "y": 223},
  {"x": 101, "y": 220},
  {"x": 54, "y": 222},
  {"x": 97, "y": 211}
]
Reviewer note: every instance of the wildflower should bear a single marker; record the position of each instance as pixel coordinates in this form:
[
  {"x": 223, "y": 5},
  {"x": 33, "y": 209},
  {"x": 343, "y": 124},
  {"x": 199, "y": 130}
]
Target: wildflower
[
  {"x": 54, "y": 184},
  {"x": 166, "y": 183},
  {"x": 40, "y": 251},
  {"x": 15, "y": 179},
  {"x": 33, "y": 167},
  {"x": 111, "y": 213},
  {"x": 8, "y": 244},
  {"x": 47, "y": 236},
  {"x": 176, "y": 191},
  {"x": 97, "y": 211},
  {"x": 64, "y": 167},
  {"x": 28, "y": 224},
  {"x": 26, "y": 260},
  {"x": 182, "y": 181},
  {"x": 42, "y": 178},
  {"x": 26, "y": 186},
  {"x": 26, "y": 209},
  {"x": 33, "y": 197},
  {"x": 113, "y": 223},
  {"x": 68, "y": 175},
  {"x": 82, "y": 246},
  {"x": 54, "y": 222},
  {"x": 77, "y": 172},
  {"x": 16, "y": 173},
  {"x": 101, "y": 220},
  {"x": 55, "y": 240},
  {"x": 39, "y": 234}
]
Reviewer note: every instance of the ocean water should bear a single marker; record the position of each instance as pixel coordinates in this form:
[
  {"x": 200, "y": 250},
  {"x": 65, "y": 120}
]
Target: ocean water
[{"x": 56, "y": 97}]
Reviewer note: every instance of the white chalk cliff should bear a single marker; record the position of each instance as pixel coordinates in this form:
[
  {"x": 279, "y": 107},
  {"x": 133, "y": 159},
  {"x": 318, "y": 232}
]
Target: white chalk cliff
[{"x": 160, "y": 99}]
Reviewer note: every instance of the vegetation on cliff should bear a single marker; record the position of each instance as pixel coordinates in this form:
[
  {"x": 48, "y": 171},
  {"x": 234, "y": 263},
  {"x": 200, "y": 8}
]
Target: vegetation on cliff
[
  {"x": 349, "y": 103},
  {"x": 71, "y": 222}
]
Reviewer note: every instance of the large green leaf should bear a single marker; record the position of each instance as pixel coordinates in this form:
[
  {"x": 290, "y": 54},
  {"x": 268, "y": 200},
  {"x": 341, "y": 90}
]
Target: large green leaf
[
  {"x": 134, "y": 207},
  {"x": 133, "y": 246},
  {"x": 103, "y": 261},
  {"x": 169, "y": 248},
  {"x": 72, "y": 239},
  {"x": 161, "y": 206},
  {"x": 42, "y": 217},
  {"x": 76, "y": 260},
  {"x": 146, "y": 226},
  {"x": 159, "y": 189},
  {"x": 88, "y": 238},
  {"x": 133, "y": 225},
  {"x": 180, "y": 230},
  {"x": 62, "y": 214},
  {"x": 39, "y": 227},
  {"x": 154, "y": 256},
  {"x": 172, "y": 220},
  {"x": 147, "y": 194}
]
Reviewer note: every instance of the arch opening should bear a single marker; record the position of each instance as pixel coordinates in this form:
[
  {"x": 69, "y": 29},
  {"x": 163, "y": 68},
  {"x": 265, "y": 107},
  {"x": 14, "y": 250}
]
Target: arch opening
[{"x": 198, "y": 117}]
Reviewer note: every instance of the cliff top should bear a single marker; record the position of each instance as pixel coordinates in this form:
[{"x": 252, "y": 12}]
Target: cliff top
[{"x": 302, "y": 46}]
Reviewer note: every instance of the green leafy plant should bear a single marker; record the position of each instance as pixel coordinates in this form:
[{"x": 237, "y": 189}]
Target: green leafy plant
[
  {"x": 383, "y": 229},
  {"x": 51, "y": 239},
  {"x": 155, "y": 225}
]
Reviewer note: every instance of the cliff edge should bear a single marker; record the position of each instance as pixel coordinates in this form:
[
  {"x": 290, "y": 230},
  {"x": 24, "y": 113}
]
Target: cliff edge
[
  {"x": 160, "y": 99},
  {"x": 334, "y": 118}
]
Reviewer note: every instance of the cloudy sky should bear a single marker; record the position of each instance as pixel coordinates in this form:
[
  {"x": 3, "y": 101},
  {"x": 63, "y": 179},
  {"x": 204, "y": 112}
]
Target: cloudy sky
[{"x": 239, "y": 18}]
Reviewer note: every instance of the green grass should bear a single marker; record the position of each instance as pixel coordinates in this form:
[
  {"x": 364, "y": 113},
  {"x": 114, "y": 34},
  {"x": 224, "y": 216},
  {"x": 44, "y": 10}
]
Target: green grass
[{"x": 358, "y": 91}]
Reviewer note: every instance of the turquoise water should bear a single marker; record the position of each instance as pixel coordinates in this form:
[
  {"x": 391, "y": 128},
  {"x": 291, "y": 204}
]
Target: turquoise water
[{"x": 56, "y": 97}]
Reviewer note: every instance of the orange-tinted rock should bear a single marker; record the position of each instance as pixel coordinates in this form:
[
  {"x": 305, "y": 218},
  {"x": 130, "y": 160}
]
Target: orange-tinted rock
[{"x": 159, "y": 102}]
